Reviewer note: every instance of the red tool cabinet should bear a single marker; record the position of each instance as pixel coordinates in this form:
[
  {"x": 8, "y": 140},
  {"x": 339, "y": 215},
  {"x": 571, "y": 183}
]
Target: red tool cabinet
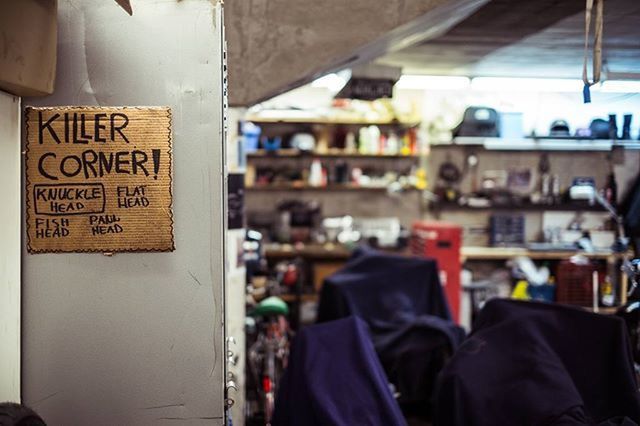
[{"x": 442, "y": 241}]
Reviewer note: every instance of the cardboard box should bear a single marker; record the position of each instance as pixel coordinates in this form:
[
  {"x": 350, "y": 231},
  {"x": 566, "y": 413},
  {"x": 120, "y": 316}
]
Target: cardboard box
[
  {"x": 28, "y": 45},
  {"x": 28, "y": 35}
]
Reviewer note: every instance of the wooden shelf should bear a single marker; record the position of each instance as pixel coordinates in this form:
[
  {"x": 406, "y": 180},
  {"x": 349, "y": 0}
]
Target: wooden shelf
[
  {"x": 540, "y": 144},
  {"x": 604, "y": 310},
  {"x": 309, "y": 251},
  {"x": 572, "y": 206},
  {"x": 290, "y": 298},
  {"x": 505, "y": 253},
  {"x": 295, "y": 153},
  {"x": 337, "y": 252},
  {"x": 333, "y": 121},
  {"x": 331, "y": 188},
  {"x": 314, "y": 297}
]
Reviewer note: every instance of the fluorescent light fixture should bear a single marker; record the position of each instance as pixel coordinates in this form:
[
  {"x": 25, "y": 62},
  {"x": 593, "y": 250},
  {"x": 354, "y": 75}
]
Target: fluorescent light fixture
[
  {"x": 432, "y": 82},
  {"x": 551, "y": 85},
  {"x": 620, "y": 86},
  {"x": 334, "y": 81},
  {"x": 443, "y": 82},
  {"x": 526, "y": 84}
]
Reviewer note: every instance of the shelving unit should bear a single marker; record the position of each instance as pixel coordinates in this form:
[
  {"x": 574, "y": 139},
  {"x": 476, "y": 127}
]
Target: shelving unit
[
  {"x": 540, "y": 144},
  {"x": 322, "y": 258},
  {"x": 332, "y": 187},
  {"x": 309, "y": 251},
  {"x": 331, "y": 121},
  {"x": 295, "y": 153},
  {"x": 335, "y": 255},
  {"x": 339, "y": 252},
  {"x": 506, "y": 253},
  {"x": 270, "y": 125},
  {"x": 528, "y": 206}
]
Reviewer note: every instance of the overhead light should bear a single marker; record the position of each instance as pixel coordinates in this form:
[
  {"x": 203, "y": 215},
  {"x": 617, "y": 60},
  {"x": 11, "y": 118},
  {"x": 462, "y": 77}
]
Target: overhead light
[
  {"x": 526, "y": 84},
  {"x": 432, "y": 82},
  {"x": 620, "y": 86},
  {"x": 551, "y": 85},
  {"x": 334, "y": 81}
]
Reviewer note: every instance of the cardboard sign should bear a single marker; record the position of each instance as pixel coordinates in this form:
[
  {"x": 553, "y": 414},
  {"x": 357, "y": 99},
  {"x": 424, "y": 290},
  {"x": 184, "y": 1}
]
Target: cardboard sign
[{"x": 98, "y": 179}]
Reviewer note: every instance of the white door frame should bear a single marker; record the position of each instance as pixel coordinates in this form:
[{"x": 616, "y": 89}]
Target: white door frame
[{"x": 10, "y": 247}]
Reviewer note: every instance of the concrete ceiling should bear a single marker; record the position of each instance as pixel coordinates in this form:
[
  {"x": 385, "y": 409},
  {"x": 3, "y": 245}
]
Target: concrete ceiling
[
  {"x": 542, "y": 38},
  {"x": 277, "y": 45}
]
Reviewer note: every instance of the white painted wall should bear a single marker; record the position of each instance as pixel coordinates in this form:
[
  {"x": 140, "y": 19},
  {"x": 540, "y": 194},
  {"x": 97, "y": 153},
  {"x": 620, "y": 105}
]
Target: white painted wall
[
  {"x": 137, "y": 338},
  {"x": 9, "y": 247},
  {"x": 539, "y": 108},
  {"x": 235, "y": 307},
  {"x": 235, "y": 282}
]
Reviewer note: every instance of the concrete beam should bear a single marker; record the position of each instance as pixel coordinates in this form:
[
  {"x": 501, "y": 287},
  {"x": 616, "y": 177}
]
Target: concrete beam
[{"x": 277, "y": 45}]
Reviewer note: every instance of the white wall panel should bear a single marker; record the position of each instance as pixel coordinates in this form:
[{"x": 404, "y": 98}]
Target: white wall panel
[
  {"x": 137, "y": 338},
  {"x": 9, "y": 247}
]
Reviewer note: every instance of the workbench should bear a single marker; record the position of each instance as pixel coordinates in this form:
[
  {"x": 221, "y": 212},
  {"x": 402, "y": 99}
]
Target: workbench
[{"x": 323, "y": 260}]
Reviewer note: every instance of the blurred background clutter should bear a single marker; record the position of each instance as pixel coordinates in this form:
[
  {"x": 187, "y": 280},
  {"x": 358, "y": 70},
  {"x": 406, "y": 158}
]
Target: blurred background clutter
[{"x": 476, "y": 147}]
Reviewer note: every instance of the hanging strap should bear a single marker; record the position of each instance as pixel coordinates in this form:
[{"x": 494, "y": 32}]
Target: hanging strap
[{"x": 597, "y": 46}]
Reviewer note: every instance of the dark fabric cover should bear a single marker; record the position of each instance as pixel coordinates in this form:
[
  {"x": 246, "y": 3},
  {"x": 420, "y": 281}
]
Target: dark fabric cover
[
  {"x": 630, "y": 208},
  {"x": 403, "y": 302},
  {"x": 12, "y": 414},
  {"x": 531, "y": 363},
  {"x": 334, "y": 378}
]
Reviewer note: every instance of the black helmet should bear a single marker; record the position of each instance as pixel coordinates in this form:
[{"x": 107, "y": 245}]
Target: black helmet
[
  {"x": 559, "y": 128},
  {"x": 599, "y": 128}
]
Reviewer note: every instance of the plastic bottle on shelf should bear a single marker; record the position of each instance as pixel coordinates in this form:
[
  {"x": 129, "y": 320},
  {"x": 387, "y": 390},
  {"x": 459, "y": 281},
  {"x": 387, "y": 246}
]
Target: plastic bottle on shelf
[
  {"x": 356, "y": 175},
  {"x": 374, "y": 140},
  {"x": 363, "y": 140},
  {"x": 607, "y": 295},
  {"x": 350, "y": 143},
  {"x": 325, "y": 177},
  {"x": 413, "y": 141},
  {"x": 323, "y": 140},
  {"x": 382, "y": 144},
  {"x": 555, "y": 189},
  {"x": 316, "y": 176},
  {"x": 393, "y": 144},
  {"x": 406, "y": 145}
]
